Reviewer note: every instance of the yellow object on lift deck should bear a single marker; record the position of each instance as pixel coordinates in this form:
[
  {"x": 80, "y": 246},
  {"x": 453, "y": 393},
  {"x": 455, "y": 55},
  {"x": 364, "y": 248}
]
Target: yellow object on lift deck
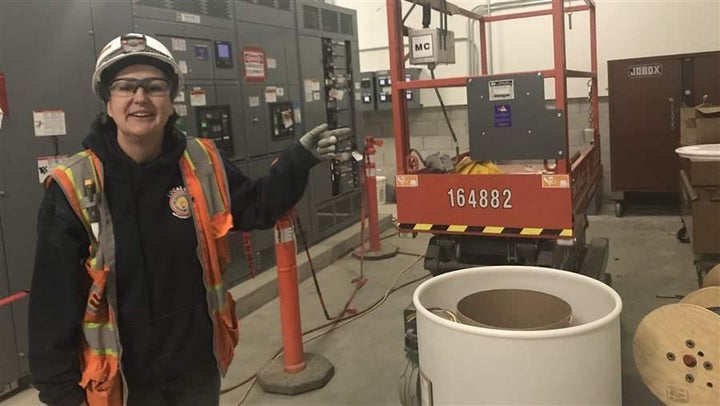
[{"x": 467, "y": 166}]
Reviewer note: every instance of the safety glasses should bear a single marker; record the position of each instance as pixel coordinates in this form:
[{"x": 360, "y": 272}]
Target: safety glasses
[{"x": 126, "y": 87}]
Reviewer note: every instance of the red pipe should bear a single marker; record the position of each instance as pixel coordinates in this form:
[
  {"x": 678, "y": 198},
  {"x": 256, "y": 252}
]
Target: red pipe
[
  {"x": 558, "y": 17},
  {"x": 294, "y": 359},
  {"x": 397, "y": 74},
  {"x": 247, "y": 242},
  {"x": 483, "y": 48},
  {"x": 593, "y": 69},
  {"x": 462, "y": 81},
  {"x": 13, "y": 298}
]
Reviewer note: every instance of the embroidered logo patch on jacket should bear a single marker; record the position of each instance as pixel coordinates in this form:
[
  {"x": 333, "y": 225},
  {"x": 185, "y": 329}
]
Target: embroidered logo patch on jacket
[{"x": 180, "y": 202}]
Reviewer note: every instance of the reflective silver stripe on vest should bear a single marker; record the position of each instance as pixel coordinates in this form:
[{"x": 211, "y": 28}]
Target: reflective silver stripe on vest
[
  {"x": 102, "y": 338},
  {"x": 216, "y": 301},
  {"x": 203, "y": 170},
  {"x": 206, "y": 175},
  {"x": 78, "y": 168}
]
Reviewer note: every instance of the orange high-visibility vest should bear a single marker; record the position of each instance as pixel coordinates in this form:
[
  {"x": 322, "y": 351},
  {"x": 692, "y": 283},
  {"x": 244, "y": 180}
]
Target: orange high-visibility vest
[{"x": 81, "y": 179}]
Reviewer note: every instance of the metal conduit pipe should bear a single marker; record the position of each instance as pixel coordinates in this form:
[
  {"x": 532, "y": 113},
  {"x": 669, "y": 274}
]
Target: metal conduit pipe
[{"x": 472, "y": 48}]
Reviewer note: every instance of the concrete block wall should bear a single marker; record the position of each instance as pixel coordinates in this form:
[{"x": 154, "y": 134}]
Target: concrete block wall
[{"x": 429, "y": 134}]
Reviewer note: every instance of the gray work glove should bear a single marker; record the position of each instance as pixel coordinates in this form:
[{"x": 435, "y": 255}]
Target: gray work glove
[{"x": 322, "y": 142}]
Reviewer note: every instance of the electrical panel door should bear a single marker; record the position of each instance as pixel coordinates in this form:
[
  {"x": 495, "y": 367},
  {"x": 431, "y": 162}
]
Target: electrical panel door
[
  {"x": 368, "y": 98},
  {"x": 269, "y": 56},
  {"x": 331, "y": 92},
  {"x": 45, "y": 117}
]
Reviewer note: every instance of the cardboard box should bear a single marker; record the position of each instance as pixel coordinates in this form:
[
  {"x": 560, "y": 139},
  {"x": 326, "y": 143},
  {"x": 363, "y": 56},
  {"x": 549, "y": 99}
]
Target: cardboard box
[
  {"x": 700, "y": 125},
  {"x": 706, "y": 221},
  {"x": 702, "y": 220},
  {"x": 701, "y": 173}
]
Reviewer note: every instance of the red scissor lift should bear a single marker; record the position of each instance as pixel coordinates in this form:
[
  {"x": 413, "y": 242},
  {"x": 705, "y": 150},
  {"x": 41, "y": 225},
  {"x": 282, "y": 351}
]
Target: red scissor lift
[{"x": 526, "y": 217}]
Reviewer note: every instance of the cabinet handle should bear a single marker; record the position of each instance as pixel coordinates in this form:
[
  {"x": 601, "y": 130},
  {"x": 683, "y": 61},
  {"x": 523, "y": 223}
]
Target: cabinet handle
[{"x": 672, "y": 113}]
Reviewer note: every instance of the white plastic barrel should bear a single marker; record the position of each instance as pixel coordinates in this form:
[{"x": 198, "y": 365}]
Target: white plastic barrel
[
  {"x": 468, "y": 365},
  {"x": 381, "y": 187}
]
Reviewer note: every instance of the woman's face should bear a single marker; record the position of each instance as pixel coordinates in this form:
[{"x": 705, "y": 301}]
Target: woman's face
[{"x": 140, "y": 102}]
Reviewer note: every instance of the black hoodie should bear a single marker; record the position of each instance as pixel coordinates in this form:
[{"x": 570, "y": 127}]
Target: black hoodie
[{"x": 163, "y": 319}]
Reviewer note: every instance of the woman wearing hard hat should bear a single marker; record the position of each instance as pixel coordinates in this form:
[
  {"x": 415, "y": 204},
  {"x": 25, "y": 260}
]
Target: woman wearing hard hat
[{"x": 127, "y": 303}]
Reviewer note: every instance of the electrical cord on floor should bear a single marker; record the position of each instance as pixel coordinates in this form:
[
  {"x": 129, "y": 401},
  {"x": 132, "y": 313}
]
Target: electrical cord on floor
[
  {"x": 360, "y": 280},
  {"x": 334, "y": 325},
  {"x": 445, "y": 114},
  {"x": 296, "y": 221},
  {"x": 375, "y": 306},
  {"x": 252, "y": 385}
]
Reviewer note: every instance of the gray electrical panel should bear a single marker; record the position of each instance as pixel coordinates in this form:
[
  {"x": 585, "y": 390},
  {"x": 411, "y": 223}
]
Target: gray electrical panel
[
  {"x": 383, "y": 89},
  {"x": 413, "y": 95},
  {"x": 331, "y": 92},
  {"x": 368, "y": 95},
  {"x": 268, "y": 55},
  {"x": 508, "y": 120},
  {"x": 45, "y": 102}
]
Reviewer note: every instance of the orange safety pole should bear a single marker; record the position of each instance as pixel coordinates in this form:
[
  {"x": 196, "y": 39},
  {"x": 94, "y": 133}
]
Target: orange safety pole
[
  {"x": 285, "y": 251},
  {"x": 371, "y": 191}
]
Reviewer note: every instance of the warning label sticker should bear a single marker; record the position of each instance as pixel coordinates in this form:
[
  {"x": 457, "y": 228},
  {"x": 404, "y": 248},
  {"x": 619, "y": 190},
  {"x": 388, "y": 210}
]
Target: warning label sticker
[
  {"x": 406, "y": 181},
  {"x": 254, "y": 63},
  {"x": 501, "y": 89},
  {"x": 555, "y": 181},
  {"x": 45, "y": 164},
  {"x": 49, "y": 122},
  {"x": 503, "y": 115}
]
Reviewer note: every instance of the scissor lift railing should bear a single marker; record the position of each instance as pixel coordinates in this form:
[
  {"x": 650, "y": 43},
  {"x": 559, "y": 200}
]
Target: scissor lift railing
[{"x": 549, "y": 203}]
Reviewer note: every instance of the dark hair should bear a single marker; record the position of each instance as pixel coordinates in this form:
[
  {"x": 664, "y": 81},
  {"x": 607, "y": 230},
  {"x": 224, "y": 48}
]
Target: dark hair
[{"x": 112, "y": 71}]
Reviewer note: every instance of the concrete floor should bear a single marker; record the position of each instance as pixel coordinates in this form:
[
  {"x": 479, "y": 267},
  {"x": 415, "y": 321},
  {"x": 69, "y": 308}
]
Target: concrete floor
[{"x": 645, "y": 260}]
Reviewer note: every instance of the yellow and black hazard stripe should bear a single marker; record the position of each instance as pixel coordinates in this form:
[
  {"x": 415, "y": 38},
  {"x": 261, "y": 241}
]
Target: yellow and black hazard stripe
[{"x": 490, "y": 230}]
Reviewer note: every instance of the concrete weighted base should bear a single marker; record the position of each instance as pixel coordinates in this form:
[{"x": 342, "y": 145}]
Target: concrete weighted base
[
  {"x": 318, "y": 371},
  {"x": 386, "y": 251}
]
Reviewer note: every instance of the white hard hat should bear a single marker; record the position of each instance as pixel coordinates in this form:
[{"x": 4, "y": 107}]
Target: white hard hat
[{"x": 133, "y": 48}]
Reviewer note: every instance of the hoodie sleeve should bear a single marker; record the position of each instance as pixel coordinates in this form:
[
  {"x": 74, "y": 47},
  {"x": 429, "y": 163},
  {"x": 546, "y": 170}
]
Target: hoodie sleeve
[
  {"x": 257, "y": 204},
  {"x": 57, "y": 302}
]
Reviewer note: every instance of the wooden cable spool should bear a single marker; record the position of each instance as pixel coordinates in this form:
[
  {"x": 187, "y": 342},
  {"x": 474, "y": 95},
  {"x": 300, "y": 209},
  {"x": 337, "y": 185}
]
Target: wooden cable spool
[
  {"x": 713, "y": 277},
  {"x": 708, "y": 298},
  {"x": 677, "y": 351}
]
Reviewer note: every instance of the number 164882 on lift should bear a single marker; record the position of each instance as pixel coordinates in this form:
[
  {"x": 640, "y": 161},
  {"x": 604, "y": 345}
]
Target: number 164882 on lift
[{"x": 480, "y": 198}]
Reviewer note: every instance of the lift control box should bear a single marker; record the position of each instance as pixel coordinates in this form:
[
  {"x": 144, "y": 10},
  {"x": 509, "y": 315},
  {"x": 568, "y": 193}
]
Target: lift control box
[{"x": 431, "y": 46}]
